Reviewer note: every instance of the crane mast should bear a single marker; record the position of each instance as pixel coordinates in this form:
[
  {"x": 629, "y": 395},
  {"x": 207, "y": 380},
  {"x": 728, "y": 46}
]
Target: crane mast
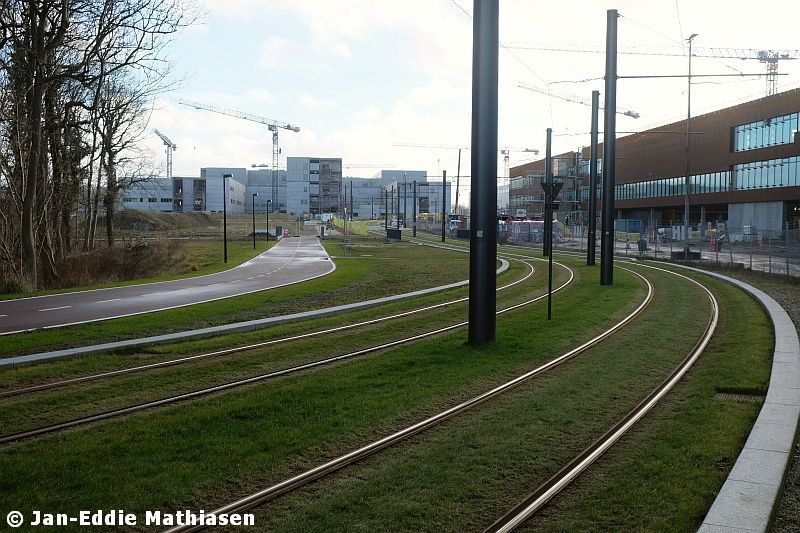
[
  {"x": 272, "y": 125},
  {"x": 171, "y": 146}
]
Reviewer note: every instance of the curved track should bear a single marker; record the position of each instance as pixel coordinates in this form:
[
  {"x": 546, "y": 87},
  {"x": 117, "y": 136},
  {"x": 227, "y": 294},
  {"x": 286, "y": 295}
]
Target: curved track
[
  {"x": 243, "y": 348},
  {"x": 539, "y": 498},
  {"x": 308, "y": 476},
  {"x": 51, "y": 428}
]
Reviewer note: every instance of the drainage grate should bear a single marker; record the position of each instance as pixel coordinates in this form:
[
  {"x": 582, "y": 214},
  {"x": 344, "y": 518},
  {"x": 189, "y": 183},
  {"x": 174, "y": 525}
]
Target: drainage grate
[{"x": 731, "y": 397}]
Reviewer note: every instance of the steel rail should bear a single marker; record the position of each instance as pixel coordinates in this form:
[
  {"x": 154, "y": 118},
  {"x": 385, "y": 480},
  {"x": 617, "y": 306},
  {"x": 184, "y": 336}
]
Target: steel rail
[
  {"x": 51, "y": 428},
  {"x": 542, "y": 495},
  {"x": 227, "y": 351},
  {"x": 334, "y": 465}
]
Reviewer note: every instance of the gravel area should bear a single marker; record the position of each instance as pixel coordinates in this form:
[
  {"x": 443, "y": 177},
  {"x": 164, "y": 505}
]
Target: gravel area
[{"x": 786, "y": 291}]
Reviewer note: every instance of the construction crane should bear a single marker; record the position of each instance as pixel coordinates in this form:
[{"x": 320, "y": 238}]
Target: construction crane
[
  {"x": 572, "y": 98},
  {"x": 272, "y": 125},
  {"x": 769, "y": 58},
  {"x": 171, "y": 147}
]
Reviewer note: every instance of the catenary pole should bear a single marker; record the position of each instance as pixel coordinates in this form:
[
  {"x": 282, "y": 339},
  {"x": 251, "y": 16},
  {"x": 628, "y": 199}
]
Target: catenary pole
[
  {"x": 592, "y": 238},
  {"x": 609, "y": 152},
  {"x": 483, "y": 195}
]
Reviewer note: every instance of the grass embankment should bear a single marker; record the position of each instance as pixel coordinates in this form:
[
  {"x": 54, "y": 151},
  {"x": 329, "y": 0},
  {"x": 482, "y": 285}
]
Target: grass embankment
[
  {"x": 376, "y": 270},
  {"x": 34, "y": 410},
  {"x": 199, "y": 258},
  {"x": 211, "y": 450}
]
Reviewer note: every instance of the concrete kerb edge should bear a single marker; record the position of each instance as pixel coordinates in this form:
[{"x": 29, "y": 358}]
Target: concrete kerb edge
[
  {"x": 758, "y": 515},
  {"x": 227, "y": 328}
]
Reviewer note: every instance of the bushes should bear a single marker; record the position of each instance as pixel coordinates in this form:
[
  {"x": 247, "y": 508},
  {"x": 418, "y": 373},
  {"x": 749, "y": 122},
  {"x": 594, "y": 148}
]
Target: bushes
[{"x": 129, "y": 259}]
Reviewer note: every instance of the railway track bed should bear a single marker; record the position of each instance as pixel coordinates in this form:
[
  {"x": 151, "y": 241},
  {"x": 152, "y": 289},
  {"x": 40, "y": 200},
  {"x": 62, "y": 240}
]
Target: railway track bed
[{"x": 455, "y": 470}]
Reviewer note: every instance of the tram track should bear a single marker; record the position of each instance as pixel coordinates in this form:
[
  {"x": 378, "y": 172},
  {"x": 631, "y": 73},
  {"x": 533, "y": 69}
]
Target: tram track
[
  {"x": 342, "y": 461},
  {"x": 550, "y": 488},
  {"x": 243, "y": 348},
  {"x": 114, "y": 413}
]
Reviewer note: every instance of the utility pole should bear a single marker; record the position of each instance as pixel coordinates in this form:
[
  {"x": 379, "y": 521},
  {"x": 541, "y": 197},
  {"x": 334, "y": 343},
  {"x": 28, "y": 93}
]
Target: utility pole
[
  {"x": 225, "y": 217},
  {"x": 444, "y": 202},
  {"x": 398, "y": 205},
  {"x": 483, "y": 195},
  {"x": 414, "y": 210},
  {"x": 351, "y": 199},
  {"x": 687, "y": 179},
  {"x": 458, "y": 180},
  {"x": 592, "y": 238},
  {"x": 385, "y": 194},
  {"x": 548, "y": 214},
  {"x": 609, "y": 152},
  {"x": 405, "y": 200}
]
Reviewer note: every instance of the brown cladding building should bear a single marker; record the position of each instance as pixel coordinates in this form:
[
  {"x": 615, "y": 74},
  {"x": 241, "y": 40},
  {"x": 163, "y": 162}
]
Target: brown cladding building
[{"x": 744, "y": 168}]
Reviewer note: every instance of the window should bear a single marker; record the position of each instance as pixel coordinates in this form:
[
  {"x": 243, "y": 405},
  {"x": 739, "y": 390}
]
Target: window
[
  {"x": 152, "y": 200},
  {"x": 770, "y": 132},
  {"x": 166, "y": 200},
  {"x": 766, "y": 174}
]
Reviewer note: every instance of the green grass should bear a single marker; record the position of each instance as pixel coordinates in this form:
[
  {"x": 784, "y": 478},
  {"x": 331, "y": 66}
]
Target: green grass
[
  {"x": 380, "y": 270},
  {"x": 221, "y": 446},
  {"x": 202, "y": 257},
  {"x": 47, "y": 407}
]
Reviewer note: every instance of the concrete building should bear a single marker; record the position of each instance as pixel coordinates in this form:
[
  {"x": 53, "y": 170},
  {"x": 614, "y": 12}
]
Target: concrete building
[
  {"x": 259, "y": 181},
  {"x": 313, "y": 185},
  {"x": 152, "y": 195},
  {"x": 744, "y": 170}
]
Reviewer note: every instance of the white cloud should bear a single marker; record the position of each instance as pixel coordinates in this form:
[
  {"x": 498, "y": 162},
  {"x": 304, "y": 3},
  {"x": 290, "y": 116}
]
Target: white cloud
[{"x": 314, "y": 104}]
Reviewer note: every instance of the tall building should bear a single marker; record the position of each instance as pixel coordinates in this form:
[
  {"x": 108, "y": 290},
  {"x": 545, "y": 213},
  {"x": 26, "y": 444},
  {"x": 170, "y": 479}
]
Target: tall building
[
  {"x": 743, "y": 170},
  {"x": 313, "y": 185}
]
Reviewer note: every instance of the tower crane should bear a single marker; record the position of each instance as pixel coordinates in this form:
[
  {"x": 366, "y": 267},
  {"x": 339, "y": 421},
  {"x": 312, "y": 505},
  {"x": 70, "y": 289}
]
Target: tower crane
[
  {"x": 272, "y": 125},
  {"x": 171, "y": 147},
  {"x": 769, "y": 58},
  {"x": 572, "y": 98}
]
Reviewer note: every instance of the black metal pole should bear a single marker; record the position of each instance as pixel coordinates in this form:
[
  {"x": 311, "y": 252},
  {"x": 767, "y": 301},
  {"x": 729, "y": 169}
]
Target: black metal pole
[
  {"x": 385, "y": 194},
  {"x": 405, "y": 200},
  {"x": 548, "y": 206},
  {"x": 225, "y": 218},
  {"x": 372, "y": 202},
  {"x": 351, "y": 199},
  {"x": 254, "y": 220},
  {"x": 269, "y": 206},
  {"x": 483, "y": 196},
  {"x": 414, "y": 210},
  {"x": 609, "y": 152},
  {"x": 550, "y": 278},
  {"x": 398, "y": 205},
  {"x": 592, "y": 238},
  {"x": 458, "y": 179},
  {"x": 444, "y": 202}
]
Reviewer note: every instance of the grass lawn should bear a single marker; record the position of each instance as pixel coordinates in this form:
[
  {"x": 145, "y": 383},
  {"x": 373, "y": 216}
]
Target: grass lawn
[
  {"x": 215, "y": 448},
  {"x": 373, "y": 270}
]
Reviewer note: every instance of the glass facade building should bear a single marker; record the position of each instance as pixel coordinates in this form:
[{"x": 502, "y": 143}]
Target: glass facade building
[{"x": 770, "y": 132}]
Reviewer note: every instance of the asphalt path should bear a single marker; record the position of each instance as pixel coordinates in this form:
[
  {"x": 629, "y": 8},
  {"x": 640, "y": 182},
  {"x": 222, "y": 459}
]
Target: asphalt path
[{"x": 290, "y": 261}]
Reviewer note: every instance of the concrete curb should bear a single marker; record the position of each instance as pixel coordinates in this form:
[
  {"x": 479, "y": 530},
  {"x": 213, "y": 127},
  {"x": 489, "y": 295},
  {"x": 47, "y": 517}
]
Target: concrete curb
[
  {"x": 751, "y": 494},
  {"x": 227, "y": 328}
]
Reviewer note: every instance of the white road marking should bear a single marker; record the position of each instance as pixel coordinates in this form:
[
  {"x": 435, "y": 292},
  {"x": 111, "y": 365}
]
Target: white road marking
[
  {"x": 55, "y": 308},
  {"x": 151, "y": 294},
  {"x": 111, "y": 300},
  {"x": 1, "y": 316}
]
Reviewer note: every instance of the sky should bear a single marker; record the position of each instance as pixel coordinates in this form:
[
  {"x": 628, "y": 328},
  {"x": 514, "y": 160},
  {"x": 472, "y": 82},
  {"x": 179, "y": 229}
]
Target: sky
[{"x": 362, "y": 76}]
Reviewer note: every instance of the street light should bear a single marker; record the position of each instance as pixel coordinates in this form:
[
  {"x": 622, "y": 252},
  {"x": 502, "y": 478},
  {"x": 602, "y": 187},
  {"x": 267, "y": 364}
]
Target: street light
[
  {"x": 254, "y": 219},
  {"x": 688, "y": 154},
  {"x": 269, "y": 206},
  {"x": 225, "y": 215}
]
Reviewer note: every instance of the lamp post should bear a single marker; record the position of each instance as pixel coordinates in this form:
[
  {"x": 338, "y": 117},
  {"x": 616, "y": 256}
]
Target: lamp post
[
  {"x": 254, "y": 219},
  {"x": 688, "y": 154},
  {"x": 269, "y": 206},
  {"x": 225, "y": 216}
]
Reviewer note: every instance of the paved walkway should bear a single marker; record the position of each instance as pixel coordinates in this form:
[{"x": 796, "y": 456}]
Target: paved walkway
[{"x": 290, "y": 261}]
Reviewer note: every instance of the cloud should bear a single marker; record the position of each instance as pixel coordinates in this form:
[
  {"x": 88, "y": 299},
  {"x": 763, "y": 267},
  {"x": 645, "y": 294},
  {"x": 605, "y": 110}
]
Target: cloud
[{"x": 314, "y": 104}]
